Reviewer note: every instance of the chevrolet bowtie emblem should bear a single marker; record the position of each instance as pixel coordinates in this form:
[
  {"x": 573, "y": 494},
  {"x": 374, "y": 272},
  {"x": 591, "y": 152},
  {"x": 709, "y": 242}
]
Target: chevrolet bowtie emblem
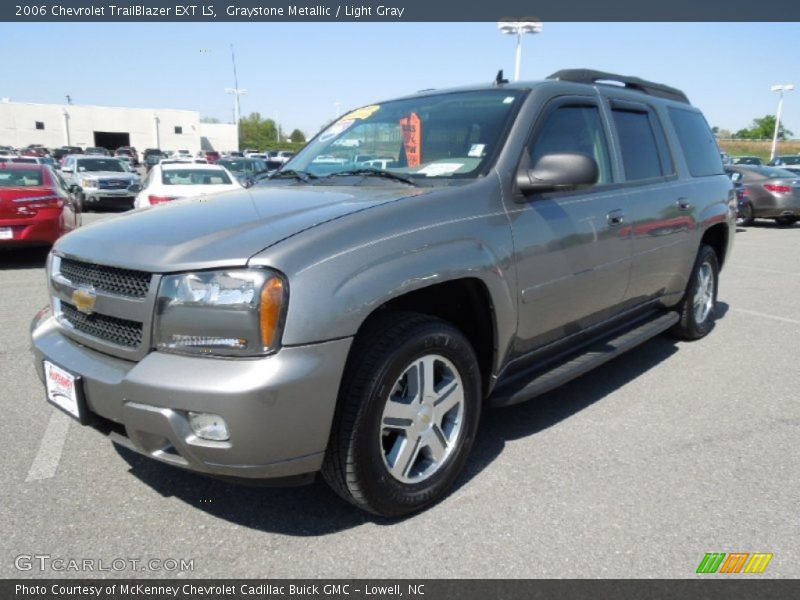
[{"x": 84, "y": 299}]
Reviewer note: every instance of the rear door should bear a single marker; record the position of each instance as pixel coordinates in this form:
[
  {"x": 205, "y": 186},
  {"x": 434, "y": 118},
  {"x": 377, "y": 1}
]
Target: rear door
[
  {"x": 660, "y": 211},
  {"x": 572, "y": 254}
]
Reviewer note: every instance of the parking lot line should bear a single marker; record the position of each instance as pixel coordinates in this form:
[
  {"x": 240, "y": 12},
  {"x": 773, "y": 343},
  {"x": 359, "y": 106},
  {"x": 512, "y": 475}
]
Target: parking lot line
[
  {"x": 47, "y": 458},
  {"x": 765, "y": 270},
  {"x": 755, "y": 313}
]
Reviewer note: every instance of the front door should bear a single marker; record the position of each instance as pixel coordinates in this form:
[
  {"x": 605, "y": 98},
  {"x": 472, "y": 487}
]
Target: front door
[{"x": 572, "y": 248}]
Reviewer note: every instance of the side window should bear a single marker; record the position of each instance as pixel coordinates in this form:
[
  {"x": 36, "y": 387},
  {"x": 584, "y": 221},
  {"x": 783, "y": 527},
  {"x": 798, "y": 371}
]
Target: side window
[
  {"x": 575, "y": 130},
  {"x": 697, "y": 142},
  {"x": 640, "y": 155}
]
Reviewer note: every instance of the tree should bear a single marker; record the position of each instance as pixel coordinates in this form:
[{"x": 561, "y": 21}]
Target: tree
[
  {"x": 298, "y": 137},
  {"x": 255, "y": 132},
  {"x": 209, "y": 120},
  {"x": 763, "y": 128}
]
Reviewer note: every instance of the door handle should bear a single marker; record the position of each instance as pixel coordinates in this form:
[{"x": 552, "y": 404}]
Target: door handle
[
  {"x": 615, "y": 218},
  {"x": 684, "y": 204}
]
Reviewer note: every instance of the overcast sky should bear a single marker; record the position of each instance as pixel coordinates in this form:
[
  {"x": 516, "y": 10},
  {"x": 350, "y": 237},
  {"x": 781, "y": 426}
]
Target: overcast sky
[{"x": 297, "y": 72}]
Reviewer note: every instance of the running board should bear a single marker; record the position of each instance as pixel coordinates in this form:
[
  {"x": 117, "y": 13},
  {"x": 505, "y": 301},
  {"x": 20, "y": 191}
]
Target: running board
[{"x": 592, "y": 356}]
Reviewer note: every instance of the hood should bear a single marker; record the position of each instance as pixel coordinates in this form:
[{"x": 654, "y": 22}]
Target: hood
[{"x": 221, "y": 230}]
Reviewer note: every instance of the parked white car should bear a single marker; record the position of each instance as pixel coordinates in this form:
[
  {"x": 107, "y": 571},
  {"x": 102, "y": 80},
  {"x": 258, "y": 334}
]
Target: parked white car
[
  {"x": 283, "y": 156},
  {"x": 167, "y": 182}
]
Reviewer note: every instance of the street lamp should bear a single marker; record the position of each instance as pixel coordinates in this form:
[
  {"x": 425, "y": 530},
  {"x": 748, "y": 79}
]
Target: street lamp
[
  {"x": 519, "y": 28},
  {"x": 787, "y": 87},
  {"x": 238, "y": 93}
]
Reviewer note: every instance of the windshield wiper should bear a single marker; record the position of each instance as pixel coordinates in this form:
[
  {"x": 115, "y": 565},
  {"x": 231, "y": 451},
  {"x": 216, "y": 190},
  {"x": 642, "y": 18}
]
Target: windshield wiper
[
  {"x": 374, "y": 173},
  {"x": 303, "y": 176}
]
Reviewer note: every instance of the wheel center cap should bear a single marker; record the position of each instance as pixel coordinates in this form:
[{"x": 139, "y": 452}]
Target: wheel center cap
[{"x": 424, "y": 418}]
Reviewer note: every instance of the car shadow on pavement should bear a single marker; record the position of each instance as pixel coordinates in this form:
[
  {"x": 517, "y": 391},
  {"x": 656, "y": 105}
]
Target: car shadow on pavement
[
  {"x": 316, "y": 510},
  {"x": 23, "y": 258},
  {"x": 536, "y": 415}
]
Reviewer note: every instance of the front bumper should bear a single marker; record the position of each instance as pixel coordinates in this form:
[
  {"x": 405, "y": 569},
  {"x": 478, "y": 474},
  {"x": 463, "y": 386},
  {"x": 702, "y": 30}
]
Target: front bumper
[
  {"x": 278, "y": 408},
  {"x": 93, "y": 195}
]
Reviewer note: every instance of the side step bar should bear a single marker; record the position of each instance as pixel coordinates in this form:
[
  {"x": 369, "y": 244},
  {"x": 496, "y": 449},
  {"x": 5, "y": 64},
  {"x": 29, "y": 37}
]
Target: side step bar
[{"x": 575, "y": 365}]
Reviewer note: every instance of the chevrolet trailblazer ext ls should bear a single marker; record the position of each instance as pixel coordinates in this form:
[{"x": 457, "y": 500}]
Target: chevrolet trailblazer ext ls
[{"x": 354, "y": 315}]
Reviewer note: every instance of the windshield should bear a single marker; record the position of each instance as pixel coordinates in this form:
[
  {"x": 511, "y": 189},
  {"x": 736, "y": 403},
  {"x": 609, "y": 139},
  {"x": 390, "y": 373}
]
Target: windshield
[
  {"x": 451, "y": 135},
  {"x": 101, "y": 164},
  {"x": 195, "y": 177},
  {"x": 775, "y": 173},
  {"x": 20, "y": 178}
]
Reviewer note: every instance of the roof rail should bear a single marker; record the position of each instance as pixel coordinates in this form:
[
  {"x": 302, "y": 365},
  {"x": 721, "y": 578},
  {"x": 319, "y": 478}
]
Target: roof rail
[{"x": 632, "y": 83}]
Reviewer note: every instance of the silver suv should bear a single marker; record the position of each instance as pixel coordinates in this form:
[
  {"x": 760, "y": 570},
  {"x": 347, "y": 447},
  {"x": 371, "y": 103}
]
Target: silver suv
[
  {"x": 356, "y": 320},
  {"x": 100, "y": 180}
]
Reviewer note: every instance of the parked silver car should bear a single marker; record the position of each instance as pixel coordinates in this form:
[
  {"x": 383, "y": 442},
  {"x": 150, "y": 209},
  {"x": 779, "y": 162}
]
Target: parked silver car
[{"x": 356, "y": 320}]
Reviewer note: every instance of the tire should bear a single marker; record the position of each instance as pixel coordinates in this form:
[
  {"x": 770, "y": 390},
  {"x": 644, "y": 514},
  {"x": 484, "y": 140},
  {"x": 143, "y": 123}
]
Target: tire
[
  {"x": 697, "y": 309},
  {"x": 786, "y": 221},
  {"x": 747, "y": 218},
  {"x": 392, "y": 451}
]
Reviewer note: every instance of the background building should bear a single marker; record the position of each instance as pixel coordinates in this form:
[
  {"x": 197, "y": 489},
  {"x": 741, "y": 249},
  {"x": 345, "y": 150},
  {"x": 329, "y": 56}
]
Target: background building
[{"x": 54, "y": 125}]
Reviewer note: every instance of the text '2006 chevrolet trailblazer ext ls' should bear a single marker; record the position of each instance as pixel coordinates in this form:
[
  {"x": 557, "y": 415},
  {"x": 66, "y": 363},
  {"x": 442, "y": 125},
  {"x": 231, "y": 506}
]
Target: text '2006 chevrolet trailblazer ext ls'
[{"x": 418, "y": 260}]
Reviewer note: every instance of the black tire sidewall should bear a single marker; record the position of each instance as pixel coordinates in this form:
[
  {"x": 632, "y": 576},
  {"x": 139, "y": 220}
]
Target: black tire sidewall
[
  {"x": 383, "y": 493},
  {"x": 694, "y": 329}
]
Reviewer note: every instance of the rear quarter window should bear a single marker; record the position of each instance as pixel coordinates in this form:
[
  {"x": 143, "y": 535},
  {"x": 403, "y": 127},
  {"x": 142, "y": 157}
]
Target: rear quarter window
[{"x": 697, "y": 142}]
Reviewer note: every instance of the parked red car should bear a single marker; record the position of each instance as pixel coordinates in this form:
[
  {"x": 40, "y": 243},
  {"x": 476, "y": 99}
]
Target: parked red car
[
  {"x": 35, "y": 206},
  {"x": 211, "y": 156}
]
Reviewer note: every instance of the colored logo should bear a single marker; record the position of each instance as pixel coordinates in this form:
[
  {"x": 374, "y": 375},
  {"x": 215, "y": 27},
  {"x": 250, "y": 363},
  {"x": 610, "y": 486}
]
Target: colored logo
[
  {"x": 84, "y": 299},
  {"x": 734, "y": 562}
]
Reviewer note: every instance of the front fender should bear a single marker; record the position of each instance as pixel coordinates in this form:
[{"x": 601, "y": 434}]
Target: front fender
[{"x": 331, "y": 297}]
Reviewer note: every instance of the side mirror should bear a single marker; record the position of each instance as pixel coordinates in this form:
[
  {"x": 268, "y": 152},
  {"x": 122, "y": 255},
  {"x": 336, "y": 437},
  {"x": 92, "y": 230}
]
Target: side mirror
[
  {"x": 76, "y": 189},
  {"x": 558, "y": 171},
  {"x": 135, "y": 188}
]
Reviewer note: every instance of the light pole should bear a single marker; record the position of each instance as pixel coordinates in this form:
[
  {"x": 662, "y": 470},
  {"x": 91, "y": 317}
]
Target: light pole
[
  {"x": 519, "y": 28},
  {"x": 237, "y": 93},
  {"x": 156, "y": 121},
  {"x": 787, "y": 87}
]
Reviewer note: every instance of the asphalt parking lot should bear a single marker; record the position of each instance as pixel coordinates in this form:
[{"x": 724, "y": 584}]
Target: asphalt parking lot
[{"x": 635, "y": 470}]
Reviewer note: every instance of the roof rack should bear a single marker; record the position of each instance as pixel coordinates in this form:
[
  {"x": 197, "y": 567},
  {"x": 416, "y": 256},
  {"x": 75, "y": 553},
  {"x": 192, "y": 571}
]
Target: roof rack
[{"x": 632, "y": 83}]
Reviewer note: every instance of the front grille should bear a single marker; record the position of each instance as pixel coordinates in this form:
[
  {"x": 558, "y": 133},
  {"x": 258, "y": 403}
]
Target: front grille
[
  {"x": 109, "y": 329},
  {"x": 113, "y": 280},
  {"x": 113, "y": 184}
]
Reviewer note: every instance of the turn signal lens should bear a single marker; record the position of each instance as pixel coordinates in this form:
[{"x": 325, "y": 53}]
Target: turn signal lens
[{"x": 272, "y": 298}]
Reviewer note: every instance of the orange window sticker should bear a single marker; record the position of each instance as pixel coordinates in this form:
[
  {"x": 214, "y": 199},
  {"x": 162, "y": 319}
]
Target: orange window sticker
[{"x": 411, "y": 128}]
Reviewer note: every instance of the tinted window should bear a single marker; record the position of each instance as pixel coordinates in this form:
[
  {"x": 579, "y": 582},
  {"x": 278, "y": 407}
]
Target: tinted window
[
  {"x": 574, "y": 130},
  {"x": 697, "y": 141},
  {"x": 638, "y": 145}
]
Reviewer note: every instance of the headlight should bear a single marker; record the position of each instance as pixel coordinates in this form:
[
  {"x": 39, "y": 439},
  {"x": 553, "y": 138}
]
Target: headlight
[
  {"x": 88, "y": 183},
  {"x": 237, "y": 312}
]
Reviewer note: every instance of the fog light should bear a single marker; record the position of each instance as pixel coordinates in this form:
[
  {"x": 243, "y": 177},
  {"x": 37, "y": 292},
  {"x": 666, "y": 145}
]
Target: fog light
[{"x": 209, "y": 427}]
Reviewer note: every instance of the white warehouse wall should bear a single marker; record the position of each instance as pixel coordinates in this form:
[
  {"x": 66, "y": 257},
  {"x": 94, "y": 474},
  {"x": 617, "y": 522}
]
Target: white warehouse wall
[
  {"x": 147, "y": 128},
  {"x": 221, "y": 137}
]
